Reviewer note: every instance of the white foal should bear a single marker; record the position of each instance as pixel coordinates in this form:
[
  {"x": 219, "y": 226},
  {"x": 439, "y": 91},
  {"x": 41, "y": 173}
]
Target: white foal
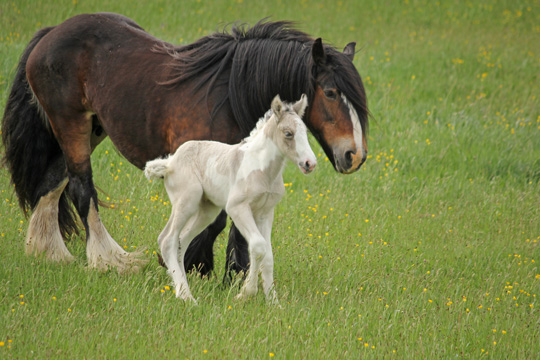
[{"x": 204, "y": 177}]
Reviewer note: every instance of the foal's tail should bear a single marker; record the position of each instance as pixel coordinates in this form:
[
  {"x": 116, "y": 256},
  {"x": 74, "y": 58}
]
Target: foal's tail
[
  {"x": 158, "y": 168},
  {"x": 30, "y": 147}
]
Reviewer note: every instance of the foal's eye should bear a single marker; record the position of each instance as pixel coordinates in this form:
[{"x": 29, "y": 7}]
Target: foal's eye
[
  {"x": 289, "y": 135},
  {"x": 331, "y": 94}
]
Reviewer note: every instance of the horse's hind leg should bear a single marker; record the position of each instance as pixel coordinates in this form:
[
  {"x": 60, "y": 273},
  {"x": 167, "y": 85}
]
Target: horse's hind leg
[
  {"x": 101, "y": 249},
  {"x": 44, "y": 233},
  {"x": 200, "y": 254}
]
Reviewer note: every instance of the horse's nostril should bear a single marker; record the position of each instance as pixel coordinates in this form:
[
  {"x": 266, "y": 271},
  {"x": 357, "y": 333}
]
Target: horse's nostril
[{"x": 349, "y": 156}]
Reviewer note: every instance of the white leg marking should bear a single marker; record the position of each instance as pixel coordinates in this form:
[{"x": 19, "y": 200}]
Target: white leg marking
[
  {"x": 103, "y": 252},
  {"x": 44, "y": 232}
]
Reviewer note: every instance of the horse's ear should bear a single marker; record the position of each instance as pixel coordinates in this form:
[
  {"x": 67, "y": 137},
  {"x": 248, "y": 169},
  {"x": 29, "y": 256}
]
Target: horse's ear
[
  {"x": 300, "y": 106},
  {"x": 277, "y": 106},
  {"x": 317, "y": 51},
  {"x": 349, "y": 50}
]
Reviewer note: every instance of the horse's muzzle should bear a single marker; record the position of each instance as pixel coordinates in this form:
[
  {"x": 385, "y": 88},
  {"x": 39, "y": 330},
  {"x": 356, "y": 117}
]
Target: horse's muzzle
[{"x": 350, "y": 161}]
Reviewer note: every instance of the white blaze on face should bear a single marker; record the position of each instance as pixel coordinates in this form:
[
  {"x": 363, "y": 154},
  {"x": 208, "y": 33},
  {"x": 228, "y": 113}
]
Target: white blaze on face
[
  {"x": 303, "y": 149},
  {"x": 357, "y": 127},
  {"x": 302, "y": 143}
]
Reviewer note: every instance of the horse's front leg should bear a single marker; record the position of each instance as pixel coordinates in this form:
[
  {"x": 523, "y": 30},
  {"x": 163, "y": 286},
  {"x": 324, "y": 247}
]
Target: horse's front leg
[
  {"x": 237, "y": 255},
  {"x": 242, "y": 216},
  {"x": 200, "y": 253}
]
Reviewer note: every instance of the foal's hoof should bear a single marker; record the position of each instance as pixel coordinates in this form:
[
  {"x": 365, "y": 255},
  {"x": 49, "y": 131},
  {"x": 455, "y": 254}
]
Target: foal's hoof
[
  {"x": 191, "y": 301},
  {"x": 245, "y": 295},
  {"x": 188, "y": 299},
  {"x": 240, "y": 297},
  {"x": 274, "y": 302}
]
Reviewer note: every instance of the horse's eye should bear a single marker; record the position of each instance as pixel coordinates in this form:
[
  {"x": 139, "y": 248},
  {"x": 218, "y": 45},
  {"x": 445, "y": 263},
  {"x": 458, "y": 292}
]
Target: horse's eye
[
  {"x": 289, "y": 135},
  {"x": 331, "y": 94}
]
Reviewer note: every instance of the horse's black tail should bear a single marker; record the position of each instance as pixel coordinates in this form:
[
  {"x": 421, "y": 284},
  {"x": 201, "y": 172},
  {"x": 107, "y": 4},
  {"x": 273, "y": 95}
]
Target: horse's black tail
[{"x": 30, "y": 147}]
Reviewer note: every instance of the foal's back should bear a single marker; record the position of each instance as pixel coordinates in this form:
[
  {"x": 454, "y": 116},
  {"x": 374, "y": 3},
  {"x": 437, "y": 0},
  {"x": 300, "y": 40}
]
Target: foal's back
[{"x": 213, "y": 164}]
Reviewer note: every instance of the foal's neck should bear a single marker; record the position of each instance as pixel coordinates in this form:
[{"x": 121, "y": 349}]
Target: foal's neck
[{"x": 261, "y": 149}]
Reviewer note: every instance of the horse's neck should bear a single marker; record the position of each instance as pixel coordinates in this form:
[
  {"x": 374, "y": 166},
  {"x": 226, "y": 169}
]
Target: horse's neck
[{"x": 260, "y": 153}]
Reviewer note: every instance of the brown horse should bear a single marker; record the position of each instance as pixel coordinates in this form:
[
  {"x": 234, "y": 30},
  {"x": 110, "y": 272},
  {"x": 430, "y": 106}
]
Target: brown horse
[{"x": 98, "y": 75}]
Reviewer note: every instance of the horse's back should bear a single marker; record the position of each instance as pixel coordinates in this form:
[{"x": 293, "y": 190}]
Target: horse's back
[
  {"x": 104, "y": 64},
  {"x": 77, "y": 40},
  {"x": 80, "y": 28}
]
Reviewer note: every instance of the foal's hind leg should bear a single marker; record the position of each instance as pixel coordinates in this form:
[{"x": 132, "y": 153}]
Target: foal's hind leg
[
  {"x": 183, "y": 214},
  {"x": 204, "y": 216},
  {"x": 168, "y": 245}
]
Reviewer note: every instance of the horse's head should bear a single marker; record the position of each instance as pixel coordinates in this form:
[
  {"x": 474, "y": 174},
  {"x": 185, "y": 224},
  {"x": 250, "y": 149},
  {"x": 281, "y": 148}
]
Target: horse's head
[
  {"x": 290, "y": 135},
  {"x": 338, "y": 115}
]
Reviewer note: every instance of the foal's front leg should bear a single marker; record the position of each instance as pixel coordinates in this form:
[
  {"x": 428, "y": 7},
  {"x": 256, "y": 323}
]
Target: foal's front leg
[
  {"x": 242, "y": 216},
  {"x": 267, "y": 267}
]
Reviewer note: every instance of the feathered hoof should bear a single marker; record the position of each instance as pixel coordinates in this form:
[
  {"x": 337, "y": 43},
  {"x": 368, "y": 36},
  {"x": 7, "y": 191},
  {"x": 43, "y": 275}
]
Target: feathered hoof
[
  {"x": 123, "y": 262},
  {"x": 44, "y": 236},
  {"x": 58, "y": 254}
]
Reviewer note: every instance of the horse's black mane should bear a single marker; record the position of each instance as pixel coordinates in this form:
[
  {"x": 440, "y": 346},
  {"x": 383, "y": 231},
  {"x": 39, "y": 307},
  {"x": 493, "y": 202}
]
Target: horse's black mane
[{"x": 257, "y": 63}]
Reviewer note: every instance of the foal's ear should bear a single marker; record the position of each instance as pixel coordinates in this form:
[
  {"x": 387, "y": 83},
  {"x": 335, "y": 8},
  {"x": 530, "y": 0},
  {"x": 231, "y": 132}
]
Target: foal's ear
[
  {"x": 301, "y": 105},
  {"x": 317, "y": 51},
  {"x": 349, "y": 50},
  {"x": 277, "y": 106}
]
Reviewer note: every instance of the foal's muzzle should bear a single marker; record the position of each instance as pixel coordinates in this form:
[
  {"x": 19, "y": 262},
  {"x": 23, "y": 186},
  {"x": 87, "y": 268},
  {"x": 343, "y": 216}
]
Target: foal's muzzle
[{"x": 307, "y": 166}]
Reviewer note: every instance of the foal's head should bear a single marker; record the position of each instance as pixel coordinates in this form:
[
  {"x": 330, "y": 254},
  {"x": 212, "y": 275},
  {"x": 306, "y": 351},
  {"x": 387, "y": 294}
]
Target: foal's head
[{"x": 290, "y": 135}]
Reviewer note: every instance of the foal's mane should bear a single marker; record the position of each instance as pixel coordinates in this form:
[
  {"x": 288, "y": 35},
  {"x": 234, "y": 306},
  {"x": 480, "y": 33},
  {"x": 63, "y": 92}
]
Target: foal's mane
[
  {"x": 258, "y": 126},
  {"x": 287, "y": 107},
  {"x": 256, "y": 63}
]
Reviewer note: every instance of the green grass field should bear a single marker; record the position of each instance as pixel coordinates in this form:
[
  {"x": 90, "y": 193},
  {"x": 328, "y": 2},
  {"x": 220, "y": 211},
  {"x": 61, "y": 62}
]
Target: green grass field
[{"x": 431, "y": 250}]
